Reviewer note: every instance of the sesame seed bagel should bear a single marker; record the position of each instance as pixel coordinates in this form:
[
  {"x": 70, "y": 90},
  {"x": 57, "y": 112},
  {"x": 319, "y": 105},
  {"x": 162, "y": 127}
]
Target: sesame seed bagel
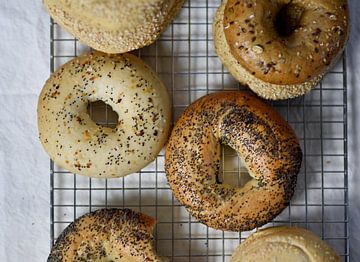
[
  {"x": 114, "y": 26},
  {"x": 284, "y": 244},
  {"x": 263, "y": 140},
  {"x": 281, "y": 49},
  {"x": 107, "y": 235},
  {"x": 134, "y": 92}
]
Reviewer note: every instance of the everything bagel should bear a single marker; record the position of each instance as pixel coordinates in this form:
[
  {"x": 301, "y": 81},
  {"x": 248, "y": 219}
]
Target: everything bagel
[
  {"x": 264, "y": 141},
  {"x": 134, "y": 92},
  {"x": 281, "y": 48}
]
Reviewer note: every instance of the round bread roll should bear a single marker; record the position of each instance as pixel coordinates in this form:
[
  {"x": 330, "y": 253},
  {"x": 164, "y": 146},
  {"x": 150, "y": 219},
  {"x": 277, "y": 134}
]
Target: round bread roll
[
  {"x": 281, "y": 48},
  {"x": 114, "y": 26},
  {"x": 134, "y": 92},
  {"x": 264, "y": 141},
  {"x": 107, "y": 235},
  {"x": 284, "y": 244}
]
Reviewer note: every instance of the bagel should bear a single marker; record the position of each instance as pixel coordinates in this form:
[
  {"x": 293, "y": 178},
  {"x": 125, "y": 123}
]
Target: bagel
[
  {"x": 281, "y": 49},
  {"x": 107, "y": 235},
  {"x": 134, "y": 92},
  {"x": 264, "y": 141},
  {"x": 114, "y": 26},
  {"x": 283, "y": 244}
]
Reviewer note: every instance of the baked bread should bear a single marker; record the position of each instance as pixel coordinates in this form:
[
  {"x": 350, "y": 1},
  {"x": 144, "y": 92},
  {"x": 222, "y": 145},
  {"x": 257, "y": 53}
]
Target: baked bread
[
  {"x": 134, "y": 92},
  {"x": 114, "y": 26},
  {"x": 263, "y": 140},
  {"x": 107, "y": 235},
  {"x": 281, "y": 49},
  {"x": 284, "y": 244}
]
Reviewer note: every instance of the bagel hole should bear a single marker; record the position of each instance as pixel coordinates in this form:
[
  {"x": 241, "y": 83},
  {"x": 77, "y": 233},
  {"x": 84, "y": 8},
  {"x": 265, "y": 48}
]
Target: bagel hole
[
  {"x": 288, "y": 19},
  {"x": 102, "y": 114},
  {"x": 232, "y": 170}
]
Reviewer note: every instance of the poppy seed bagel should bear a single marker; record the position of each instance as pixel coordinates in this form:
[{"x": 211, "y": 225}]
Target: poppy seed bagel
[
  {"x": 107, "y": 235},
  {"x": 263, "y": 140}
]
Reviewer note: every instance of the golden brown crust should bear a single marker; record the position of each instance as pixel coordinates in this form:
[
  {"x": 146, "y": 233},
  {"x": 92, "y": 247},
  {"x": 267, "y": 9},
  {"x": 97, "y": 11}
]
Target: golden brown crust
[
  {"x": 283, "y": 244},
  {"x": 265, "y": 142},
  {"x": 288, "y": 68},
  {"x": 134, "y": 92},
  {"x": 106, "y": 235},
  {"x": 307, "y": 52},
  {"x": 114, "y": 26}
]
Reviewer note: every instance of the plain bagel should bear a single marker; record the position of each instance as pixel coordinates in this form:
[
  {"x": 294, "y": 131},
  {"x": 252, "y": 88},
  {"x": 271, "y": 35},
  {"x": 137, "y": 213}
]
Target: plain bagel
[
  {"x": 107, "y": 235},
  {"x": 264, "y": 141},
  {"x": 114, "y": 26},
  {"x": 282, "y": 48},
  {"x": 284, "y": 244},
  {"x": 134, "y": 92}
]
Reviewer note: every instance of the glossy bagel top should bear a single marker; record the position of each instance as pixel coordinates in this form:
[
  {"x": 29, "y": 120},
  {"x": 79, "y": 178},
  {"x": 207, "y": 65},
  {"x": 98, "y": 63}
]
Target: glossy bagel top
[{"x": 283, "y": 41}]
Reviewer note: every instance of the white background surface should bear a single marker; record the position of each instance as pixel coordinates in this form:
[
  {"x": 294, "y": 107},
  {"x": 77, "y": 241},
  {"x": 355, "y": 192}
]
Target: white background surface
[{"x": 24, "y": 167}]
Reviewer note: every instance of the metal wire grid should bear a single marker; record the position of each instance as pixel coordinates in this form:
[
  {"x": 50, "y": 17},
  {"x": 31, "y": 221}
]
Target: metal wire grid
[{"x": 185, "y": 60}]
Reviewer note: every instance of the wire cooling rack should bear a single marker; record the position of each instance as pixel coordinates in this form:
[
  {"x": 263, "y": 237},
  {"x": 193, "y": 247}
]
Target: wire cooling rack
[{"x": 185, "y": 60}]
